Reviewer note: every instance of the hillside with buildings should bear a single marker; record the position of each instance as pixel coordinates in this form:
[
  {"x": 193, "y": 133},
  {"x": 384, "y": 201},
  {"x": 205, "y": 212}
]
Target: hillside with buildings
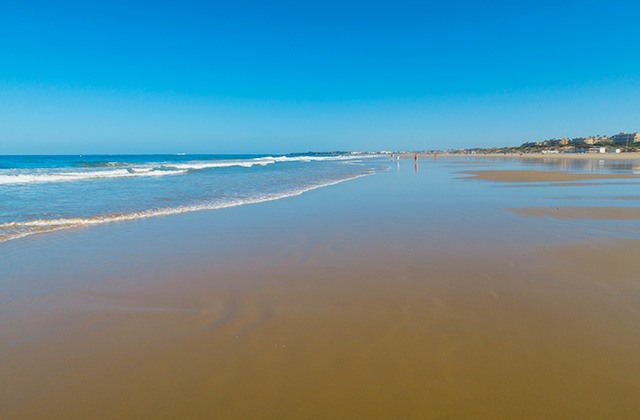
[
  {"x": 618, "y": 143},
  {"x": 623, "y": 141}
]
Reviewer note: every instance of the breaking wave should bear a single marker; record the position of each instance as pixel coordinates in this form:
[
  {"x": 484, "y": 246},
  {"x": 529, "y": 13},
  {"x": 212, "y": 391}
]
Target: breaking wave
[
  {"x": 86, "y": 175},
  {"x": 91, "y": 164},
  {"x": 125, "y": 170}
]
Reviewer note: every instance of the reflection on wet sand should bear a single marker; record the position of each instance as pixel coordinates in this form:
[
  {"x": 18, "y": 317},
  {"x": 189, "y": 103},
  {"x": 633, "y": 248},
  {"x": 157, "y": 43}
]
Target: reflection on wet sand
[
  {"x": 362, "y": 336},
  {"x": 585, "y": 165},
  {"x": 582, "y": 212},
  {"x": 538, "y": 176},
  {"x": 614, "y": 197},
  {"x": 350, "y": 305}
]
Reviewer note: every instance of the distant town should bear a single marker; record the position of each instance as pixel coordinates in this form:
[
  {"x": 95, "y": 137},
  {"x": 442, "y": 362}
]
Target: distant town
[{"x": 618, "y": 143}]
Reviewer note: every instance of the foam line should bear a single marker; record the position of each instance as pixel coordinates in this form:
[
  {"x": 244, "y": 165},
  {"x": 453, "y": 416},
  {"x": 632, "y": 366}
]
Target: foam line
[{"x": 16, "y": 230}]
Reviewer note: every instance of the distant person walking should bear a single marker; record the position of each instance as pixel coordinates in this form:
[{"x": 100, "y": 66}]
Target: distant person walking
[{"x": 415, "y": 157}]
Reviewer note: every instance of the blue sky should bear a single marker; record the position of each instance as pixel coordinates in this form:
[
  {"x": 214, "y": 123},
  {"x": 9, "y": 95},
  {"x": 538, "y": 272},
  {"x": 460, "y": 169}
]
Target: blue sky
[{"x": 217, "y": 77}]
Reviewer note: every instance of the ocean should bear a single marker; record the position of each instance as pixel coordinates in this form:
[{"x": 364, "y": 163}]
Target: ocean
[{"x": 46, "y": 193}]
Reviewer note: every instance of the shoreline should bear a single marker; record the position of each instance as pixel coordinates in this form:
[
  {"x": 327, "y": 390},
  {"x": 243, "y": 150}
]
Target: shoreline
[
  {"x": 550, "y": 156},
  {"x": 407, "y": 294},
  {"x": 505, "y": 175}
]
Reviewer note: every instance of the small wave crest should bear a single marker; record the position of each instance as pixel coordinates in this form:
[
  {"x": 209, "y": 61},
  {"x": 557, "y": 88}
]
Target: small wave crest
[
  {"x": 305, "y": 158},
  {"x": 35, "y": 178},
  {"x": 194, "y": 166},
  {"x": 91, "y": 164},
  {"x": 125, "y": 170},
  {"x": 16, "y": 230}
]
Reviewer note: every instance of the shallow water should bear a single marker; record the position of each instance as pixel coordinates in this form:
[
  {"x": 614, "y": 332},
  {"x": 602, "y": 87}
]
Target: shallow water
[{"x": 45, "y": 193}]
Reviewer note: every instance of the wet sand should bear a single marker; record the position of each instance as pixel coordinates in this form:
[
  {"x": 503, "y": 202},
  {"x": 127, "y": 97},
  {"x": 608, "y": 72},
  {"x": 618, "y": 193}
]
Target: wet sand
[
  {"x": 539, "y": 176},
  {"x": 615, "y": 197},
  {"x": 553, "y": 156},
  {"x": 338, "y": 303},
  {"x": 578, "y": 156},
  {"x": 582, "y": 212},
  {"x": 529, "y": 156},
  {"x": 542, "y": 336}
]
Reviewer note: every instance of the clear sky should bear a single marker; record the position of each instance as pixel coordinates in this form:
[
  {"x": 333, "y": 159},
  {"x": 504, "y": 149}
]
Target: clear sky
[{"x": 273, "y": 77}]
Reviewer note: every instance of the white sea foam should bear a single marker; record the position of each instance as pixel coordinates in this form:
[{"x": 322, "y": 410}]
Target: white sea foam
[
  {"x": 261, "y": 161},
  {"x": 34, "y": 178},
  {"x": 16, "y": 230},
  {"x": 221, "y": 164},
  {"x": 309, "y": 158},
  {"x": 151, "y": 170}
]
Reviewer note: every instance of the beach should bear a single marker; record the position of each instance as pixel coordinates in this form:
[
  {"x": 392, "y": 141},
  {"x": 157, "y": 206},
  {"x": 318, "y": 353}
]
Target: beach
[
  {"x": 607, "y": 156},
  {"x": 454, "y": 288},
  {"x": 635, "y": 156}
]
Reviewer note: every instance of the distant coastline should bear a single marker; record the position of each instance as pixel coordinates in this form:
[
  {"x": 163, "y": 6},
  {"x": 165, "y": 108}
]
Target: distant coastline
[
  {"x": 594, "y": 156},
  {"x": 618, "y": 146},
  {"x": 591, "y": 147}
]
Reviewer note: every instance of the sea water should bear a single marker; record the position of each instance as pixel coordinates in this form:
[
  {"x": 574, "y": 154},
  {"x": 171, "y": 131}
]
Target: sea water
[{"x": 45, "y": 193}]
